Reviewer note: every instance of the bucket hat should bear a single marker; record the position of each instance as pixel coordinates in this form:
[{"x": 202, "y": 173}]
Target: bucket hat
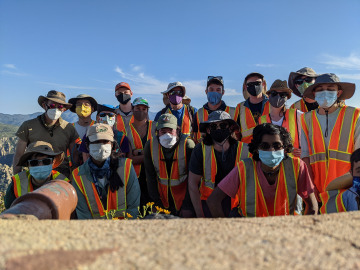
[
  {"x": 305, "y": 71},
  {"x": 100, "y": 131},
  {"x": 140, "y": 101},
  {"x": 280, "y": 86},
  {"x": 166, "y": 120},
  {"x": 173, "y": 85},
  {"x": 55, "y": 96},
  {"x": 330, "y": 78},
  {"x": 217, "y": 116},
  {"x": 82, "y": 96},
  {"x": 41, "y": 148}
]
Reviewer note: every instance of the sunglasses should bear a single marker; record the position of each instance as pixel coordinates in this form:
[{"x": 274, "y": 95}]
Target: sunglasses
[
  {"x": 36, "y": 162},
  {"x": 266, "y": 146},
  {"x": 253, "y": 84},
  {"x": 176, "y": 92},
  {"x": 281, "y": 94},
  {"x": 220, "y": 78},
  {"x": 300, "y": 81},
  {"x": 221, "y": 126},
  {"x": 106, "y": 114},
  {"x": 53, "y": 106}
]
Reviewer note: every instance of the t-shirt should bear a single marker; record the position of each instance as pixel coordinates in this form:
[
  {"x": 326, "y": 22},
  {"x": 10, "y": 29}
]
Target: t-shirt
[
  {"x": 60, "y": 136},
  {"x": 230, "y": 184},
  {"x": 81, "y": 130},
  {"x": 350, "y": 197}
]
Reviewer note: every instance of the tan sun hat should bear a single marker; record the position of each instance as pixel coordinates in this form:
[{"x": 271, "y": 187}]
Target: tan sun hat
[
  {"x": 173, "y": 85},
  {"x": 280, "y": 86},
  {"x": 55, "y": 96},
  {"x": 82, "y": 96},
  {"x": 40, "y": 147},
  {"x": 305, "y": 71}
]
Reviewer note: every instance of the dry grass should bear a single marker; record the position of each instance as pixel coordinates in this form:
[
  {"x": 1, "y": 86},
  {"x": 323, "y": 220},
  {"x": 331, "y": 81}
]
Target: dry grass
[{"x": 2, "y": 206}]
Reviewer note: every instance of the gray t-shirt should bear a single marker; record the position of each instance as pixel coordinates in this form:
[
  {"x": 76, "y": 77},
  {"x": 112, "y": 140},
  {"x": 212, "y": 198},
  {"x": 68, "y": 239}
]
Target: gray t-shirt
[{"x": 81, "y": 130}]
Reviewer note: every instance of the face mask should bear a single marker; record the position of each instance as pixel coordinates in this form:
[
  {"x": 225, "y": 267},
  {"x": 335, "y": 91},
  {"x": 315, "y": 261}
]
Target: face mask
[
  {"x": 83, "y": 110},
  {"x": 303, "y": 87},
  {"x": 326, "y": 98},
  {"x": 175, "y": 100},
  {"x": 123, "y": 98},
  {"x": 107, "y": 120},
  {"x": 214, "y": 97},
  {"x": 271, "y": 158},
  {"x": 99, "y": 151},
  {"x": 254, "y": 90},
  {"x": 54, "y": 114},
  {"x": 220, "y": 135},
  {"x": 167, "y": 140},
  {"x": 140, "y": 115},
  {"x": 277, "y": 101},
  {"x": 356, "y": 183},
  {"x": 40, "y": 173}
]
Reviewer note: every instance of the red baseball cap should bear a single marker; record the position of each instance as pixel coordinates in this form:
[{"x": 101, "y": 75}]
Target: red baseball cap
[{"x": 122, "y": 84}]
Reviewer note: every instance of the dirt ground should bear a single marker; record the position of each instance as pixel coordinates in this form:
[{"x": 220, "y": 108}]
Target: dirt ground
[{"x": 320, "y": 242}]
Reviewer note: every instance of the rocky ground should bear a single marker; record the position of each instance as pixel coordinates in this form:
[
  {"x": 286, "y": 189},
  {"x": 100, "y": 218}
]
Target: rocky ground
[{"x": 321, "y": 242}]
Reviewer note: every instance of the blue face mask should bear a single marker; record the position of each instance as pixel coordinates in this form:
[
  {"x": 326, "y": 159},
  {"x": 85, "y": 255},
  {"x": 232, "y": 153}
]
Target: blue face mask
[
  {"x": 356, "y": 183},
  {"x": 271, "y": 158},
  {"x": 214, "y": 97},
  {"x": 326, "y": 98},
  {"x": 40, "y": 173}
]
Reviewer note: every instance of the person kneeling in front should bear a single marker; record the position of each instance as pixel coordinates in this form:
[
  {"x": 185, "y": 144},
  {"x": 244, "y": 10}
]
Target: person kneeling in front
[
  {"x": 267, "y": 183},
  {"x": 106, "y": 186}
]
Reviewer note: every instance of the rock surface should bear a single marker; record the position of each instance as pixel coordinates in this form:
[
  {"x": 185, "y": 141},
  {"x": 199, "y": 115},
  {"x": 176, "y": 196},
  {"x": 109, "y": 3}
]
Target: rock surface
[{"x": 320, "y": 242}]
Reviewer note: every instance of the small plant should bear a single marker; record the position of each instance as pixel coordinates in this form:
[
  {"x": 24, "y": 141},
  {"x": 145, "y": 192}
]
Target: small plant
[
  {"x": 2, "y": 205},
  {"x": 148, "y": 209}
]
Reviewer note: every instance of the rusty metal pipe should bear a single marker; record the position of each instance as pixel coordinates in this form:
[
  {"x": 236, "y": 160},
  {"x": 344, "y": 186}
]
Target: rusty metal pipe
[{"x": 54, "y": 200}]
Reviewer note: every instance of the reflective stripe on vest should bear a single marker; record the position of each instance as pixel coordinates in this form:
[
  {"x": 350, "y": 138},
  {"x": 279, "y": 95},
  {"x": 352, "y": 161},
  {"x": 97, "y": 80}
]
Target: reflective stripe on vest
[
  {"x": 23, "y": 185},
  {"x": 300, "y": 105},
  {"x": 136, "y": 142},
  {"x": 328, "y": 164},
  {"x": 252, "y": 200},
  {"x": 207, "y": 184},
  {"x": 123, "y": 121},
  {"x": 179, "y": 172},
  {"x": 332, "y": 202},
  {"x": 115, "y": 200},
  {"x": 185, "y": 122},
  {"x": 247, "y": 120}
]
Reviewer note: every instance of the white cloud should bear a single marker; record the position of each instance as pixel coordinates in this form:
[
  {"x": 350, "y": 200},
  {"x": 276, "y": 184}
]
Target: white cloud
[
  {"x": 7, "y": 72},
  {"x": 264, "y": 65},
  {"x": 351, "y": 62},
  {"x": 349, "y": 76},
  {"x": 136, "y": 68},
  {"x": 11, "y": 66}
]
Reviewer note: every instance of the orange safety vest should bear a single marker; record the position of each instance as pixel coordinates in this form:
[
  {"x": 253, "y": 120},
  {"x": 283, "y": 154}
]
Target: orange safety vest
[
  {"x": 300, "y": 105},
  {"x": 252, "y": 200},
  {"x": 185, "y": 122},
  {"x": 328, "y": 164},
  {"x": 247, "y": 121},
  {"x": 136, "y": 142},
  {"x": 177, "y": 181},
  {"x": 123, "y": 121},
  {"x": 332, "y": 202},
  {"x": 115, "y": 200},
  {"x": 23, "y": 185},
  {"x": 202, "y": 115},
  {"x": 207, "y": 183},
  {"x": 289, "y": 123}
]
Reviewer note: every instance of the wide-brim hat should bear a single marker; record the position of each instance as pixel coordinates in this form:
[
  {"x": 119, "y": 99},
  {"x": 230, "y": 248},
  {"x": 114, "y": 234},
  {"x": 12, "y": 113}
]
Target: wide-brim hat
[
  {"x": 348, "y": 89},
  {"x": 82, "y": 96},
  {"x": 214, "y": 117},
  {"x": 173, "y": 85},
  {"x": 40, "y": 147},
  {"x": 280, "y": 86},
  {"x": 55, "y": 96},
  {"x": 305, "y": 71}
]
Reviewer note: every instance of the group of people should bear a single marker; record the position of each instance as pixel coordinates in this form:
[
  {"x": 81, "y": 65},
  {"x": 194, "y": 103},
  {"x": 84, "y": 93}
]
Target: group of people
[{"x": 261, "y": 158}]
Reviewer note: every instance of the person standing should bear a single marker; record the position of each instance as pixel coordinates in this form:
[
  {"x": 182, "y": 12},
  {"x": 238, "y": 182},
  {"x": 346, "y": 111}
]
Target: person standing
[{"x": 124, "y": 113}]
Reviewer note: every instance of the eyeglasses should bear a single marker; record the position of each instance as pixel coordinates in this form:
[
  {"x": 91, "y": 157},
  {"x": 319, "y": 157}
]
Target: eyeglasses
[
  {"x": 281, "y": 94},
  {"x": 300, "y": 81},
  {"x": 220, "y": 78},
  {"x": 106, "y": 114},
  {"x": 36, "y": 162},
  {"x": 221, "y": 126},
  {"x": 176, "y": 92},
  {"x": 249, "y": 84},
  {"x": 266, "y": 146},
  {"x": 53, "y": 106}
]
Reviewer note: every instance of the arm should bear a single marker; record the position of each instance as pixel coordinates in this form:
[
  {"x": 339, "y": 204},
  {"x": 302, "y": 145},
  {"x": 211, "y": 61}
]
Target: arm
[
  {"x": 19, "y": 151},
  {"x": 133, "y": 194},
  {"x": 312, "y": 205},
  {"x": 214, "y": 202},
  {"x": 133, "y": 154},
  {"x": 9, "y": 196},
  {"x": 194, "y": 182},
  {"x": 342, "y": 182}
]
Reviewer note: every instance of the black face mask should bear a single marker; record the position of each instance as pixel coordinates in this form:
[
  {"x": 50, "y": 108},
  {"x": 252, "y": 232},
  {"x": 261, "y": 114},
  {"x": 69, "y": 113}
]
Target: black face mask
[
  {"x": 277, "y": 101},
  {"x": 219, "y": 135},
  {"x": 139, "y": 115},
  {"x": 311, "y": 106},
  {"x": 123, "y": 98},
  {"x": 254, "y": 90}
]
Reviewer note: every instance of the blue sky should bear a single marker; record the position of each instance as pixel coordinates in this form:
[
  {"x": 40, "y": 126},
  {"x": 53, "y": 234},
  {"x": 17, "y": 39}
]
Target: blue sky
[{"x": 89, "y": 46}]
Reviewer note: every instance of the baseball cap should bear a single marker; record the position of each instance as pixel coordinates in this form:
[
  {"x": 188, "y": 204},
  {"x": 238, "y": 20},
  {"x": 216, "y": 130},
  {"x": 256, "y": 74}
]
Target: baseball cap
[{"x": 100, "y": 131}]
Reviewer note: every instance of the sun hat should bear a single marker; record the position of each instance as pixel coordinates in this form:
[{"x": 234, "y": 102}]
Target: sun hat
[
  {"x": 280, "y": 86},
  {"x": 330, "y": 78},
  {"x": 166, "y": 120},
  {"x": 305, "y": 71},
  {"x": 214, "y": 117},
  {"x": 140, "y": 101},
  {"x": 82, "y": 96},
  {"x": 55, "y": 96},
  {"x": 122, "y": 85},
  {"x": 100, "y": 131},
  {"x": 40, "y": 147},
  {"x": 172, "y": 86}
]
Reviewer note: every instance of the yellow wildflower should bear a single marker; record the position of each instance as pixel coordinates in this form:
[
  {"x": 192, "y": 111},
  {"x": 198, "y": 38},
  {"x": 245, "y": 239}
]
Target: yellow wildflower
[
  {"x": 128, "y": 215},
  {"x": 166, "y": 211}
]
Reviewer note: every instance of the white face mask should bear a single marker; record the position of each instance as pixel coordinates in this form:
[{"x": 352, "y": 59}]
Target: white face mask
[
  {"x": 107, "y": 120},
  {"x": 99, "y": 151},
  {"x": 167, "y": 140},
  {"x": 326, "y": 98},
  {"x": 54, "y": 114}
]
